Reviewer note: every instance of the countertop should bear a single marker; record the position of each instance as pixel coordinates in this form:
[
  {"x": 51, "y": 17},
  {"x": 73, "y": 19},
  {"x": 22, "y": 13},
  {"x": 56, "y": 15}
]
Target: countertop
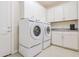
[{"x": 65, "y": 30}]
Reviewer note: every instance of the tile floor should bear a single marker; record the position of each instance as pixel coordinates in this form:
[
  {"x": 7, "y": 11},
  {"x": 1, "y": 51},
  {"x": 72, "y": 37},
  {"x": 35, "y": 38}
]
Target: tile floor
[{"x": 54, "y": 51}]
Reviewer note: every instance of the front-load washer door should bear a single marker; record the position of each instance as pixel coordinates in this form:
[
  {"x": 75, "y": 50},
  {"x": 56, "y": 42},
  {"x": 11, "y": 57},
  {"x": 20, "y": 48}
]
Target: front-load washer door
[
  {"x": 36, "y": 31},
  {"x": 47, "y": 31}
]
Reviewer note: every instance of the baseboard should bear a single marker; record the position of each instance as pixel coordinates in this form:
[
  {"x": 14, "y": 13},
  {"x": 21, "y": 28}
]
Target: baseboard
[
  {"x": 77, "y": 50},
  {"x": 14, "y": 52}
]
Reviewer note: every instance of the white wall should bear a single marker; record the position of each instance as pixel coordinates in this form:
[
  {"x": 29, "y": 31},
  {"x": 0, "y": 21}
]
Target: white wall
[
  {"x": 15, "y": 20},
  {"x": 78, "y": 15},
  {"x": 33, "y": 10},
  {"x": 21, "y": 9}
]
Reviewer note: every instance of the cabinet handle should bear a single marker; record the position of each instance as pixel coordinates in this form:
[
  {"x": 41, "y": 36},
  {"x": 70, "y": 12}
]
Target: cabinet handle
[
  {"x": 9, "y": 27},
  {"x": 8, "y": 31}
]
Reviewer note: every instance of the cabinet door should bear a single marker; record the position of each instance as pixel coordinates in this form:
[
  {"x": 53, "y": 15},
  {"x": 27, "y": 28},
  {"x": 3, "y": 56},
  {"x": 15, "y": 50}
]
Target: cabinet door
[
  {"x": 59, "y": 13},
  {"x": 70, "y": 10},
  {"x": 50, "y": 15},
  {"x": 70, "y": 40},
  {"x": 57, "y": 38}
]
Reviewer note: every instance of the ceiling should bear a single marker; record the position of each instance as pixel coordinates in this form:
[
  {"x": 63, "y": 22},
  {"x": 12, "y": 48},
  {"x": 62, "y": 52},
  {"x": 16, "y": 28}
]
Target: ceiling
[{"x": 49, "y": 4}]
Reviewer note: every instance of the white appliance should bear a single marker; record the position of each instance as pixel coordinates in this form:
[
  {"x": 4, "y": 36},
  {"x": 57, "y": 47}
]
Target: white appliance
[
  {"x": 47, "y": 36},
  {"x": 30, "y": 37}
]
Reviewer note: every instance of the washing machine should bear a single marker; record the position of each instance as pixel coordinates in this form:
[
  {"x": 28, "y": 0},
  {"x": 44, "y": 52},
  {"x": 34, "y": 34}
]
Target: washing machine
[
  {"x": 47, "y": 36},
  {"x": 30, "y": 37}
]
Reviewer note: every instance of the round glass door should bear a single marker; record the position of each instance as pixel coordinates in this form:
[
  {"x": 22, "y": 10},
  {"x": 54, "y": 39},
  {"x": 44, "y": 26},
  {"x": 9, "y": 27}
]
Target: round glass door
[
  {"x": 36, "y": 30},
  {"x": 48, "y": 30}
]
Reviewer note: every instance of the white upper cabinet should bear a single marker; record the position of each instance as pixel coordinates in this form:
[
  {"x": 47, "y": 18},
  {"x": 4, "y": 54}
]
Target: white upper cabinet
[
  {"x": 55, "y": 14},
  {"x": 70, "y": 10},
  {"x": 50, "y": 15},
  {"x": 59, "y": 13},
  {"x": 63, "y": 12}
]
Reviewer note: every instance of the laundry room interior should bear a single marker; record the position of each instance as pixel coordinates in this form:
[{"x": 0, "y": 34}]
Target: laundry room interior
[{"x": 39, "y": 28}]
